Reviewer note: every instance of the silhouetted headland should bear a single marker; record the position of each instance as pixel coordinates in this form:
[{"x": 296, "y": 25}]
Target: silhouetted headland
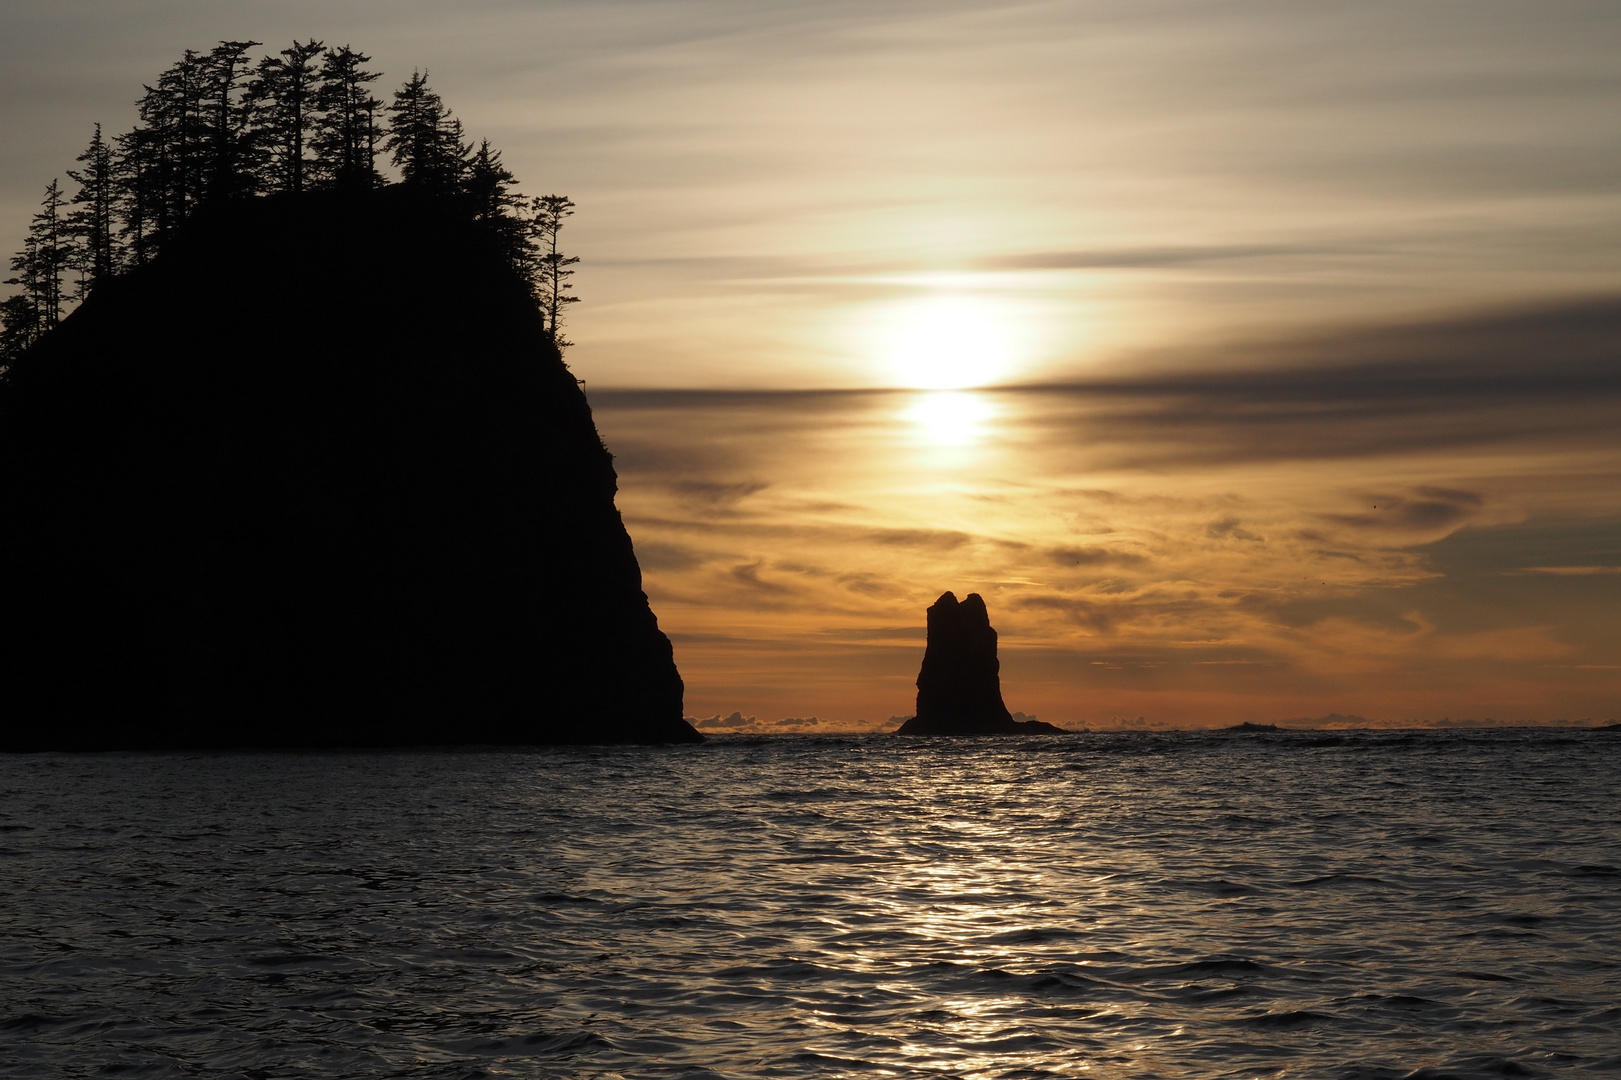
[
  {"x": 317, "y": 475},
  {"x": 959, "y": 689},
  {"x": 1249, "y": 726}
]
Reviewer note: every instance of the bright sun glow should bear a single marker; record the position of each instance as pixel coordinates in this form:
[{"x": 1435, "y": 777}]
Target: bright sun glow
[
  {"x": 949, "y": 417},
  {"x": 946, "y": 342}
]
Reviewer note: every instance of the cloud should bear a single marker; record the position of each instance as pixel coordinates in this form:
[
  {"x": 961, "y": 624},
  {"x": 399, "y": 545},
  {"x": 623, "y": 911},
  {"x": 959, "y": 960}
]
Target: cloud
[
  {"x": 919, "y": 538},
  {"x": 654, "y": 555},
  {"x": 1231, "y": 528},
  {"x": 748, "y": 574},
  {"x": 1557, "y": 349},
  {"x": 1436, "y": 508},
  {"x": 1149, "y": 258},
  {"x": 1435, "y": 531},
  {"x": 1091, "y": 556},
  {"x": 717, "y": 495},
  {"x": 722, "y": 723}
]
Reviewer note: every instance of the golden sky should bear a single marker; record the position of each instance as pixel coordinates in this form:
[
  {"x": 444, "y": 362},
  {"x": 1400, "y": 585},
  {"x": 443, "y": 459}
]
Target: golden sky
[
  {"x": 1308, "y": 304},
  {"x": 1437, "y": 538}
]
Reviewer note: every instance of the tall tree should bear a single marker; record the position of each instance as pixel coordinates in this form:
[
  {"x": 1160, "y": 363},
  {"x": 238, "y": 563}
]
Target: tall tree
[
  {"x": 346, "y": 132},
  {"x": 175, "y": 112},
  {"x": 487, "y": 184},
  {"x": 424, "y": 139},
  {"x": 39, "y": 265},
  {"x": 552, "y": 271},
  {"x": 231, "y": 164},
  {"x": 282, "y": 95},
  {"x": 19, "y": 327},
  {"x": 91, "y": 224},
  {"x": 487, "y": 193},
  {"x": 139, "y": 192}
]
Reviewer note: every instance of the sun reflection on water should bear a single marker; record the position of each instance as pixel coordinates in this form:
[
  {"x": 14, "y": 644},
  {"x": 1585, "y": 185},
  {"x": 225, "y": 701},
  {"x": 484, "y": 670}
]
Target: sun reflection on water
[{"x": 955, "y": 418}]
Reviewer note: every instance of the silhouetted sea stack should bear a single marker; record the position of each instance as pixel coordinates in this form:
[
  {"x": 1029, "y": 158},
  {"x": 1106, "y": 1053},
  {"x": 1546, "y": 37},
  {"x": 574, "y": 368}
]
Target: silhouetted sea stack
[
  {"x": 317, "y": 476},
  {"x": 959, "y": 689}
]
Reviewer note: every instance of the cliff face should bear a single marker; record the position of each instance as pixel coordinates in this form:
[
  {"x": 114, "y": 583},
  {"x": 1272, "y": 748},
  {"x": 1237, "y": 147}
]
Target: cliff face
[
  {"x": 959, "y": 688},
  {"x": 316, "y": 477}
]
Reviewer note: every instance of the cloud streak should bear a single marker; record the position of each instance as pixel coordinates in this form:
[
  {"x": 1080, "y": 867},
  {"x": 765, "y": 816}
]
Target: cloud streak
[{"x": 1396, "y": 521}]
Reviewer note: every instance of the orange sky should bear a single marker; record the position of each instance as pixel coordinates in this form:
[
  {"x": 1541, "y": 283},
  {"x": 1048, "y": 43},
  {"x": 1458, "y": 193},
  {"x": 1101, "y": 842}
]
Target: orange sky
[
  {"x": 1409, "y": 514},
  {"x": 1435, "y": 539}
]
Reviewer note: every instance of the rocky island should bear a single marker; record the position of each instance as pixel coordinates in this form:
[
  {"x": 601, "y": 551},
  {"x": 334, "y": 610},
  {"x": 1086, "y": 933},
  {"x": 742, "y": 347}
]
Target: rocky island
[
  {"x": 317, "y": 475},
  {"x": 304, "y": 466},
  {"x": 959, "y": 688}
]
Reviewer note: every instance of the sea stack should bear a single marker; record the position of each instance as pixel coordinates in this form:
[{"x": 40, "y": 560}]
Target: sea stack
[
  {"x": 317, "y": 476},
  {"x": 959, "y": 689}
]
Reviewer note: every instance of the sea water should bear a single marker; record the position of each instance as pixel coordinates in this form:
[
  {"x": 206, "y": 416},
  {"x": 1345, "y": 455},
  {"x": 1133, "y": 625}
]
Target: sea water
[{"x": 1104, "y": 905}]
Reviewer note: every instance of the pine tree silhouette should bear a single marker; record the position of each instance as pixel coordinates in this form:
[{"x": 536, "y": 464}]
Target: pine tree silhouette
[
  {"x": 46, "y": 254},
  {"x": 346, "y": 132},
  {"x": 177, "y": 118},
  {"x": 552, "y": 266},
  {"x": 424, "y": 139},
  {"x": 95, "y": 256},
  {"x": 282, "y": 98},
  {"x": 19, "y": 326},
  {"x": 232, "y": 164},
  {"x": 214, "y": 126}
]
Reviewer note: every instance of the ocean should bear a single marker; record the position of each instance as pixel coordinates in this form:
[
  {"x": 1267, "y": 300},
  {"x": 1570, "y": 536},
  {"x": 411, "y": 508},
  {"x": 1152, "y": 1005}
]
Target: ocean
[{"x": 1345, "y": 904}]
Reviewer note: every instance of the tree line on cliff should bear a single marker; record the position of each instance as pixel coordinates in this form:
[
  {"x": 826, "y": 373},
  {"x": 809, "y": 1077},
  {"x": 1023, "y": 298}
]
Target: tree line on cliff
[{"x": 217, "y": 126}]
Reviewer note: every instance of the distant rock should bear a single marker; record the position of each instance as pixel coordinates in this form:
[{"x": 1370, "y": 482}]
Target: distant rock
[
  {"x": 959, "y": 689},
  {"x": 1247, "y": 726},
  {"x": 1332, "y": 720},
  {"x": 316, "y": 476}
]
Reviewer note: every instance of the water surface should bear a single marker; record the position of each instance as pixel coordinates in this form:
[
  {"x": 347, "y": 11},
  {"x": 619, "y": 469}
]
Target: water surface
[{"x": 1174, "y": 905}]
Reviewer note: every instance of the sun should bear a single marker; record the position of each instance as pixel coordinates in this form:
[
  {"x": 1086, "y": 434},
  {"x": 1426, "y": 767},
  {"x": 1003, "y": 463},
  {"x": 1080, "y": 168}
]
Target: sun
[{"x": 946, "y": 342}]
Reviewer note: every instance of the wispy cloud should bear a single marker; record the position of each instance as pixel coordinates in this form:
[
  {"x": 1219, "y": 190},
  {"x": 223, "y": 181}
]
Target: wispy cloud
[{"x": 1398, "y": 522}]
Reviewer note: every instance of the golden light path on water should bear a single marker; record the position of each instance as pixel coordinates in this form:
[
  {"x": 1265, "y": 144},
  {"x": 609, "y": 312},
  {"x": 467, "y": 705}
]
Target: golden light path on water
[
  {"x": 1191, "y": 906},
  {"x": 950, "y": 418}
]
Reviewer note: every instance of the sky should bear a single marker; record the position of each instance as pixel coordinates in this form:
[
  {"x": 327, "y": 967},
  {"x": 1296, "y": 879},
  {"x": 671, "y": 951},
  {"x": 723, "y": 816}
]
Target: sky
[{"x": 1255, "y": 361}]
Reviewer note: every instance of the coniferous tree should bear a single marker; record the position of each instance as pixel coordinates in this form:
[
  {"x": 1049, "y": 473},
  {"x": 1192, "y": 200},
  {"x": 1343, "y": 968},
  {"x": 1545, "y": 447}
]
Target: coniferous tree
[
  {"x": 424, "y": 139},
  {"x": 231, "y": 155},
  {"x": 45, "y": 255},
  {"x": 487, "y": 194},
  {"x": 552, "y": 266},
  {"x": 175, "y": 110},
  {"x": 455, "y": 152},
  {"x": 282, "y": 96},
  {"x": 346, "y": 134},
  {"x": 138, "y": 193},
  {"x": 164, "y": 159},
  {"x": 202, "y": 135},
  {"x": 95, "y": 254},
  {"x": 487, "y": 184},
  {"x": 24, "y": 320},
  {"x": 19, "y": 327}
]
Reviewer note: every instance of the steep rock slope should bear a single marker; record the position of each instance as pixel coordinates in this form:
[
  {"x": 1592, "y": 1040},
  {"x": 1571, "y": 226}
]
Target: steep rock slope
[{"x": 316, "y": 477}]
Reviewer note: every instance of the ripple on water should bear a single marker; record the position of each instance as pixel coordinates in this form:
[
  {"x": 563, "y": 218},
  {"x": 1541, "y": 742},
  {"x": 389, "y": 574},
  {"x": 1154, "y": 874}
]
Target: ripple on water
[{"x": 1358, "y": 905}]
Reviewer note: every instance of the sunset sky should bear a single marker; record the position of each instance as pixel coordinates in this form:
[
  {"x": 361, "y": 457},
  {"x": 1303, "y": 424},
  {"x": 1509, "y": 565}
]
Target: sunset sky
[{"x": 1255, "y": 361}]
